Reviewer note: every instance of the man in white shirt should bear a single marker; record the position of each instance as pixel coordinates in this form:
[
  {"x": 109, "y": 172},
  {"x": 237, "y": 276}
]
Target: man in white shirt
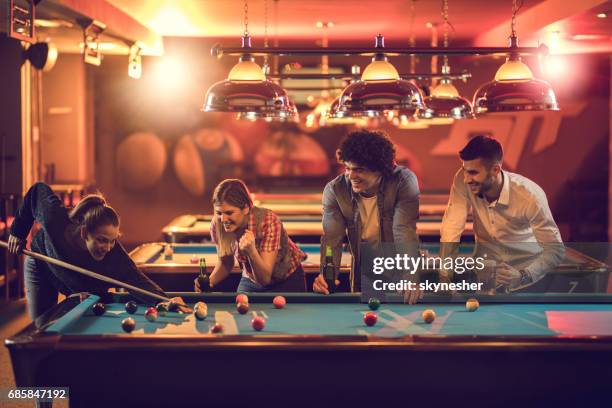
[{"x": 513, "y": 224}]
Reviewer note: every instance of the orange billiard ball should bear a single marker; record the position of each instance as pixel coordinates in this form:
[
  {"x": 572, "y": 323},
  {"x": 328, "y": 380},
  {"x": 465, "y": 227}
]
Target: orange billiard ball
[
  {"x": 428, "y": 316},
  {"x": 279, "y": 302},
  {"x": 472, "y": 305}
]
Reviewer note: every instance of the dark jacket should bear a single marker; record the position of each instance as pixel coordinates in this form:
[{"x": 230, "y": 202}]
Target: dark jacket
[
  {"x": 42, "y": 205},
  {"x": 398, "y": 207}
]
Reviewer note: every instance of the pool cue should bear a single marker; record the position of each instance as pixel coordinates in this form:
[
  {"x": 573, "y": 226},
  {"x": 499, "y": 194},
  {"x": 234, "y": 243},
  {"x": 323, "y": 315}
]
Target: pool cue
[{"x": 88, "y": 273}]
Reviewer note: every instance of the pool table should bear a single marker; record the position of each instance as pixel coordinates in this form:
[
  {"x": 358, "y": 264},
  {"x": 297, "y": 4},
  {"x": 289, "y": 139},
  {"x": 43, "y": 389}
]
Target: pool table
[
  {"x": 577, "y": 273},
  {"x": 301, "y": 228},
  {"x": 317, "y": 349},
  {"x": 310, "y": 203}
]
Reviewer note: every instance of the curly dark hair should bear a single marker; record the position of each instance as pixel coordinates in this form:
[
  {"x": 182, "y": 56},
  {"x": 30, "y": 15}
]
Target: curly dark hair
[{"x": 371, "y": 149}]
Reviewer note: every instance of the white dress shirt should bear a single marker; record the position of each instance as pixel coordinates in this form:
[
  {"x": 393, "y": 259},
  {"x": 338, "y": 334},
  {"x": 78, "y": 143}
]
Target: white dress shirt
[{"x": 517, "y": 229}]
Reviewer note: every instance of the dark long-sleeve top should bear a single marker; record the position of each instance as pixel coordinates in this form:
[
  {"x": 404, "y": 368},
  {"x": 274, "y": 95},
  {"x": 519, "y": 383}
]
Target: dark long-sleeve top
[{"x": 42, "y": 205}]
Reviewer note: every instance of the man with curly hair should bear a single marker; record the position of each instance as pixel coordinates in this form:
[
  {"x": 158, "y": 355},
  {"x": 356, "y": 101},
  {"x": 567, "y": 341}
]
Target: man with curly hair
[{"x": 375, "y": 201}]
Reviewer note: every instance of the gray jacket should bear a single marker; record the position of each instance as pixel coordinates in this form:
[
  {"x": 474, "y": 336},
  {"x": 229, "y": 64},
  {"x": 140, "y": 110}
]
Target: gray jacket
[{"x": 398, "y": 208}]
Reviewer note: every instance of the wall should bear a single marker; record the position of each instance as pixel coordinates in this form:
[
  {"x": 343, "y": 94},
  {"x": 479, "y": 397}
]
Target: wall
[{"x": 566, "y": 153}]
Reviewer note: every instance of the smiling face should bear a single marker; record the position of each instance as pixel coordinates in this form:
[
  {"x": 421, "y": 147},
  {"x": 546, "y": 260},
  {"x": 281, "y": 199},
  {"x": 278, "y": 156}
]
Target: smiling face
[
  {"x": 101, "y": 241},
  {"x": 362, "y": 180},
  {"x": 232, "y": 218},
  {"x": 478, "y": 176}
]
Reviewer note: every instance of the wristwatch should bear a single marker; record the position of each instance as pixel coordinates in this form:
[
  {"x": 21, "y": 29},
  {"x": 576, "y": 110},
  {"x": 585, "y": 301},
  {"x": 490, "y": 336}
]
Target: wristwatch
[{"x": 525, "y": 277}]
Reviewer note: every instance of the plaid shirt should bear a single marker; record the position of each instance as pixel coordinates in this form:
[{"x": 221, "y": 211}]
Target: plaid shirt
[{"x": 267, "y": 238}]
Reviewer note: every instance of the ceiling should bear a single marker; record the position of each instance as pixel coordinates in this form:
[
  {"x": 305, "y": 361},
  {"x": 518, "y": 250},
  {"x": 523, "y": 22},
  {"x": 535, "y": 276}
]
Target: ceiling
[{"x": 357, "y": 21}]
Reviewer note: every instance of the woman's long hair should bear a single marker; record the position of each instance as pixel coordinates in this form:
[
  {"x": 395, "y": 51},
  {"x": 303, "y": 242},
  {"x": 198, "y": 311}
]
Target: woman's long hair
[
  {"x": 235, "y": 193},
  {"x": 92, "y": 212}
]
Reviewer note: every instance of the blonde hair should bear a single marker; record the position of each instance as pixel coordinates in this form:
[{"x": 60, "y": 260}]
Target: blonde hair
[{"x": 235, "y": 193}]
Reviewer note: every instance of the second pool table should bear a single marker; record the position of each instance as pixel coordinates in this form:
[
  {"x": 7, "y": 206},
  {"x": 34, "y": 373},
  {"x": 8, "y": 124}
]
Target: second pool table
[{"x": 577, "y": 273}]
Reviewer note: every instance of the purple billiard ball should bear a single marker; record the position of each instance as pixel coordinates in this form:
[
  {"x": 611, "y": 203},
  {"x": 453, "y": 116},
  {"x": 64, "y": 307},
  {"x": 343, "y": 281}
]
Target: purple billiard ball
[
  {"x": 98, "y": 308},
  {"x": 131, "y": 307}
]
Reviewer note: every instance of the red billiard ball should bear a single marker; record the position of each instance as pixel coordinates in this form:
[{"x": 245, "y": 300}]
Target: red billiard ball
[
  {"x": 258, "y": 323},
  {"x": 128, "y": 324},
  {"x": 151, "y": 314},
  {"x": 428, "y": 316},
  {"x": 217, "y": 328},
  {"x": 370, "y": 319},
  {"x": 242, "y": 308},
  {"x": 194, "y": 259},
  {"x": 279, "y": 302},
  {"x": 242, "y": 298}
]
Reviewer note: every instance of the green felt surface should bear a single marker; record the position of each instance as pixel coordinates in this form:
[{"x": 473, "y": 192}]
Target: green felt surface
[{"x": 395, "y": 320}]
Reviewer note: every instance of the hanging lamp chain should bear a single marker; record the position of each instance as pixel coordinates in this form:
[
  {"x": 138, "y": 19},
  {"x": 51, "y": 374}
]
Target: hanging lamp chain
[
  {"x": 446, "y": 26},
  {"x": 412, "y": 40},
  {"x": 266, "y": 31},
  {"x": 246, "y": 17}
]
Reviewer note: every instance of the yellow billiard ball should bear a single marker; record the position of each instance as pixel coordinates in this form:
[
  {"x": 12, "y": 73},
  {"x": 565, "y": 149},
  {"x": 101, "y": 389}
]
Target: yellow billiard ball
[
  {"x": 472, "y": 305},
  {"x": 428, "y": 316}
]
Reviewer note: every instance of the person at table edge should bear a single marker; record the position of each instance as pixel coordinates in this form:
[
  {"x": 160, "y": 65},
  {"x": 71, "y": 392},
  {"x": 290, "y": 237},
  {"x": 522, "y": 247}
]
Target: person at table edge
[
  {"x": 513, "y": 223},
  {"x": 375, "y": 201},
  {"x": 86, "y": 236},
  {"x": 254, "y": 236}
]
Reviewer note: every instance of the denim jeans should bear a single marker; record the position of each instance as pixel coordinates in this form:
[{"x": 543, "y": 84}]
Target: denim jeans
[
  {"x": 294, "y": 283},
  {"x": 41, "y": 291}
]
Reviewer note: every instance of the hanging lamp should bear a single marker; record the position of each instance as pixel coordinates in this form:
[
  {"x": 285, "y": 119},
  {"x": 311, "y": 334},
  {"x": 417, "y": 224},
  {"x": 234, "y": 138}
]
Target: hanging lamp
[
  {"x": 247, "y": 91},
  {"x": 514, "y": 87},
  {"x": 379, "y": 90},
  {"x": 445, "y": 104}
]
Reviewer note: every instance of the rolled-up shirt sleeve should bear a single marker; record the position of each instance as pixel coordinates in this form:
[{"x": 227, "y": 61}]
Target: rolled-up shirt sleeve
[
  {"x": 547, "y": 234},
  {"x": 457, "y": 210}
]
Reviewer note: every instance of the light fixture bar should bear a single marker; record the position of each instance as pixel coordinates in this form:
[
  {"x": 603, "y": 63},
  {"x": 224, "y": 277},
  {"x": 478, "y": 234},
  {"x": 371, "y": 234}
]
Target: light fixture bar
[
  {"x": 218, "y": 51},
  {"x": 464, "y": 76}
]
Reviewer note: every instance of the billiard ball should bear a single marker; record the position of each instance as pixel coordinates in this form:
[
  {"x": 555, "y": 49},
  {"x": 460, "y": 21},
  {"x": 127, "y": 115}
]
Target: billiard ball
[
  {"x": 200, "y": 304},
  {"x": 370, "y": 319},
  {"x": 128, "y": 324},
  {"x": 428, "y": 316},
  {"x": 217, "y": 328},
  {"x": 151, "y": 314},
  {"x": 472, "y": 305},
  {"x": 201, "y": 312},
  {"x": 131, "y": 307},
  {"x": 194, "y": 259},
  {"x": 242, "y": 298},
  {"x": 279, "y": 302},
  {"x": 98, "y": 308},
  {"x": 242, "y": 308},
  {"x": 162, "y": 309},
  {"x": 373, "y": 303},
  {"x": 258, "y": 323}
]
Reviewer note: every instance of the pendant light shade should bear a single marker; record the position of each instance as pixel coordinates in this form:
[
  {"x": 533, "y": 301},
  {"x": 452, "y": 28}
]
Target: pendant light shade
[
  {"x": 248, "y": 92},
  {"x": 514, "y": 89},
  {"x": 379, "y": 90}
]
